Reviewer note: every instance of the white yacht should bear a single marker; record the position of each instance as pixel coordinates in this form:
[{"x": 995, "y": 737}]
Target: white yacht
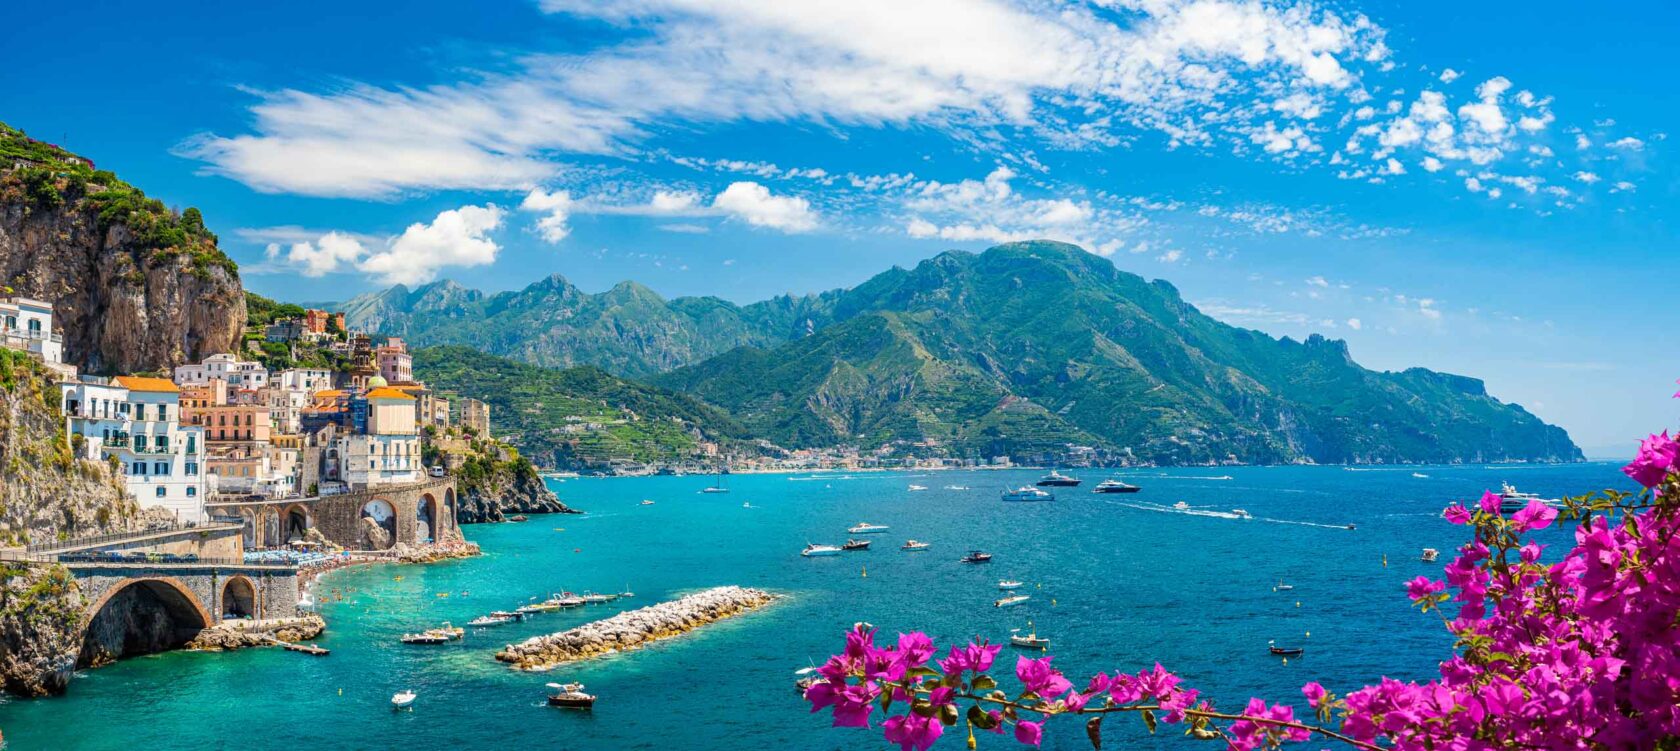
[
  {"x": 1028, "y": 493},
  {"x": 1008, "y": 584},
  {"x": 403, "y": 699},
  {"x": 1058, "y": 480},
  {"x": 864, "y": 528},
  {"x": 915, "y": 487},
  {"x": 813, "y": 550},
  {"x": 913, "y": 546},
  {"x": 1010, "y": 600},
  {"x": 1115, "y": 486},
  {"x": 1510, "y": 499}
]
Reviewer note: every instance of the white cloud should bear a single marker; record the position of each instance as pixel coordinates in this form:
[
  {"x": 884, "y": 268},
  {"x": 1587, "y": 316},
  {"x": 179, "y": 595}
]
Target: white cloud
[
  {"x": 1432, "y": 164},
  {"x": 1317, "y": 281},
  {"x": 1629, "y": 144},
  {"x": 1449, "y": 75},
  {"x": 555, "y": 209},
  {"x": 1170, "y": 256},
  {"x": 755, "y": 204},
  {"x": 1587, "y": 177},
  {"x": 457, "y": 237},
  {"x": 1355, "y": 324},
  {"x": 329, "y": 253}
]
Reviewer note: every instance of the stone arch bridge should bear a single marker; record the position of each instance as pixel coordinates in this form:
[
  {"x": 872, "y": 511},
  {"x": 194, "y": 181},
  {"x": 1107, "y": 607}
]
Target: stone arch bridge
[
  {"x": 142, "y": 607},
  {"x": 369, "y": 519}
]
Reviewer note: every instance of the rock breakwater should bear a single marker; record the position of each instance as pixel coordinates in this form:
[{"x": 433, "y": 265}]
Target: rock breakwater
[{"x": 635, "y": 628}]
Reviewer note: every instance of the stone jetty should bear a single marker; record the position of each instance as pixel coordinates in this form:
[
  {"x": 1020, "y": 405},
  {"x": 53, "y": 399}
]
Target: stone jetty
[{"x": 634, "y": 628}]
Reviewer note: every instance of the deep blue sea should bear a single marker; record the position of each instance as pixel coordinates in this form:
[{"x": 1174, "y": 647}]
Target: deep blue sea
[{"x": 1117, "y": 583}]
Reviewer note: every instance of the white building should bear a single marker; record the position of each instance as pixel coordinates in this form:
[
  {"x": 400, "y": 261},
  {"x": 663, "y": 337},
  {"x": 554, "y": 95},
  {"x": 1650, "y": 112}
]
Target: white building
[
  {"x": 27, "y": 325},
  {"x": 307, "y": 380},
  {"x": 137, "y": 421},
  {"x": 389, "y": 453},
  {"x": 239, "y": 374}
]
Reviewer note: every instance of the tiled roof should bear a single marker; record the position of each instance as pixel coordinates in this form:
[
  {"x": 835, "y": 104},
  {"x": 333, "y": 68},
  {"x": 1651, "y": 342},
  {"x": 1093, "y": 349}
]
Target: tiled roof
[
  {"x": 145, "y": 383},
  {"x": 386, "y": 392}
]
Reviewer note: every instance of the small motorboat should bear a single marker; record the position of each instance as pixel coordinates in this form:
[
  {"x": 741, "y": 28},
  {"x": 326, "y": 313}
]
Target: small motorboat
[
  {"x": 1008, "y": 584},
  {"x": 913, "y": 546},
  {"x": 813, "y": 550},
  {"x": 627, "y": 592},
  {"x": 746, "y": 504},
  {"x": 1027, "y": 493},
  {"x": 865, "y": 528},
  {"x": 714, "y": 489},
  {"x": 1271, "y": 646},
  {"x": 403, "y": 699},
  {"x": 956, "y": 487},
  {"x": 914, "y": 488},
  {"x": 1281, "y": 587},
  {"x": 1010, "y": 600},
  {"x": 447, "y": 631},
  {"x": 1420, "y": 475},
  {"x": 488, "y": 620},
  {"x": 646, "y": 502},
  {"x": 856, "y": 545},
  {"x": 568, "y": 600},
  {"x": 1429, "y": 555},
  {"x": 510, "y": 614},
  {"x": 570, "y": 696},
  {"x": 519, "y": 518},
  {"x": 1057, "y": 480},
  {"x": 1350, "y": 526},
  {"x": 424, "y": 637},
  {"x": 1115, "y": 486},
  {"x": 1181, "y": 506},
  {"x": 1242, "y": 513},
  {"x": 976, "y": 556},
  {"x": 594, "y": 598},
  {"x": 1030, "y": 640}
]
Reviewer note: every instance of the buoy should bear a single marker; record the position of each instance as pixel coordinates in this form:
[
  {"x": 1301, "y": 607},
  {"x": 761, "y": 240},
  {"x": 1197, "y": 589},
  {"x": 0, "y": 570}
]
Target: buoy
[
  {"x": 341, "y": 692},
  {"x": 1385, "y": 560},
  {"x": 1052, "y": 602},
  {"x": 1309, "y": 634},
  {"x": 865, "y": 572},
  {"x": 1297, "y": 603}
]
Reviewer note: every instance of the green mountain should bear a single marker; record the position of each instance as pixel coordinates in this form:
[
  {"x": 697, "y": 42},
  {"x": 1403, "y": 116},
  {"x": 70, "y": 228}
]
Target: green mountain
[
  {"x": 580, "y": 418},
  {"x": 1023, "y": 350},
  {"x": 629, "y": 329},
  {"x": 1030, "y": 346}
]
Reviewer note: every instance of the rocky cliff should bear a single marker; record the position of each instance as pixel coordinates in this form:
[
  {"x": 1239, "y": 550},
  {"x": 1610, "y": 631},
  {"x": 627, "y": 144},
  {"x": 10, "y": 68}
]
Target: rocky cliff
[
  {"x": 490, "y": 491},
  {"x": 135, "y": 285},
  {"x": 39, "y": 607}
]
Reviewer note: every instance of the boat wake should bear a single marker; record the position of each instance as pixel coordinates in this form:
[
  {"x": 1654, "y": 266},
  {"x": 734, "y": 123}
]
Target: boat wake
[
  {"x": 1193, "y": 477},
  {"x": 1216, "y": 514}
]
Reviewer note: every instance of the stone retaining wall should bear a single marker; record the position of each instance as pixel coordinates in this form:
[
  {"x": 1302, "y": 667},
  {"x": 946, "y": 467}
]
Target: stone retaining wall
[{"x": 632, "y": 629}]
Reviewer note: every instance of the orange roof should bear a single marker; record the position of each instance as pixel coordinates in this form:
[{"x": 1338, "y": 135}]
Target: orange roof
[
  {"x": 386, "y": 392},
  {"x": 329, "y": 394},
  {"x": 144, "y": 383}
]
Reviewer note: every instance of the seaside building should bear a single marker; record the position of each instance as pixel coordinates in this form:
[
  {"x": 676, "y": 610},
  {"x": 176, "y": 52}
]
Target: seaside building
[
  {"x": 136, "y": 421},
  {"x": 475, "y": 416},
  {"x": 387, "y": 451},
  {"x": 396, "y": 365},
  {"x": 27, "y": 325},
  {"x": 239, "y": 374},
  {"x": 287, "y": 330}
]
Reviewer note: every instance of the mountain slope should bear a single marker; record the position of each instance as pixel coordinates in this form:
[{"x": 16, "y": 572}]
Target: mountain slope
[
  {"x": 1107, "y": 358},
  {"x": 629, "y": 330},
  {"x": 582, "y": 417}
]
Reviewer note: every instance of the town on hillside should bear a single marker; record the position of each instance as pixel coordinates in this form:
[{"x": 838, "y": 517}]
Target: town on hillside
[{"x": 229, "y": 440}]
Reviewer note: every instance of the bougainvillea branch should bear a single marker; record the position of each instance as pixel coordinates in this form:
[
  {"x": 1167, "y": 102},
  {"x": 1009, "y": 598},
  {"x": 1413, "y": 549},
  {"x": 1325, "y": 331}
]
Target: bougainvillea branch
[{"x": 1583, "y": 653}]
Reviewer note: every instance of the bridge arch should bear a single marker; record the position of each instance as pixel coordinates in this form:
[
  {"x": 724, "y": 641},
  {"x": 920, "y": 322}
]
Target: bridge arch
[
  {"x": 449, "y": 504},
  {"x": 140, "y": 616},
  {"x": 296, "y": 523},
  {"x": 427, "y": 516},
  {"x": 271, "y": 528},
  {"x": 248, "y": 535},
  {"x": 379, "y": 524},
  {"x": 239, "y": 598}
]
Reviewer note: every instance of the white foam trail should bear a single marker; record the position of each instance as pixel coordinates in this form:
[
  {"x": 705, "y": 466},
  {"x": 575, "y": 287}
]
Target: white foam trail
[{"x": 1193, "y": 511}]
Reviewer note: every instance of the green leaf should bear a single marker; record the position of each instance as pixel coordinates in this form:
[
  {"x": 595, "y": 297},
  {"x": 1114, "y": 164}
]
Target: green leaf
[
  {"x": 1093, "y": 730},
  {"x": 948, "y": 714},
  {"x": 1149, "y": 720},
  {"x": 983, "y": 683},
  {"x": 921, "y": 708},
  {"x": 980, "y": 718}
]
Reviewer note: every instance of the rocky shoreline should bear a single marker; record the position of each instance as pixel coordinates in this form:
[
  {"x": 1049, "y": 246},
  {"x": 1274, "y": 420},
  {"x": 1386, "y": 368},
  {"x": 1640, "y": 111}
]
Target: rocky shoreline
[
  {"x": 635, "y": 628},
  {"x": 230, "y": 635}
]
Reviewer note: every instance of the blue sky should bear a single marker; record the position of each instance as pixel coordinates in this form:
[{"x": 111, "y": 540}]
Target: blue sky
[{"x": 1484, "y": 188}]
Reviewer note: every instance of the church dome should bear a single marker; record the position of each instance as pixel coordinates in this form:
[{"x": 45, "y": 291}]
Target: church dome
[{"x": 376, "y": 382}]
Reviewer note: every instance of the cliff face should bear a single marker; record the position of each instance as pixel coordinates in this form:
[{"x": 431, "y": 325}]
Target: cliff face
[
  {"x": 44, "y": 491},
  {"x": 135, "y": 285},
  {"x": 39, "y": 607},
  {"x": 494, "y": 492},
  {"x": 121, "y": 308}
]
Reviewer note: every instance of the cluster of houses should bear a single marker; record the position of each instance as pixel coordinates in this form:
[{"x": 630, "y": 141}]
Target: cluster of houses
[{"x": 230, "y": 427}]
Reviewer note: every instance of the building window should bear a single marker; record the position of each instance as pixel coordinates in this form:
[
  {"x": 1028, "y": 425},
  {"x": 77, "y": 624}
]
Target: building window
[
  {"x": 192, "y": 491},
  {"x": 192, "y": 444},
  {"x": 163, "y": 444},
  {"x": 160, "y": 468},
  {"x": 161, "y": 492},
  {"x": 138, "y": 468},
  {"x": 192, "y": 468},
  {"x": 139, "y": 442}
]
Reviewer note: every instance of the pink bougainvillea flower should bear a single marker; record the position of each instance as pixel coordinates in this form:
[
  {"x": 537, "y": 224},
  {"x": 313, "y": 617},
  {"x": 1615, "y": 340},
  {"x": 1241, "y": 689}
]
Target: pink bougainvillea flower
[
  {"x": 1417, "y": 589},
  {"x": 1535, "y": 515},
  {"x": 915, "y": 649},
  {"x": 1456, "y": 514},
  {"x": 912, "y": 731},
  {"x": 1315, "y": 693},
  {"x": 1030, "y": 733},
  {"x": 975, "y": 657},
  {"x": 1489, "y": 502},
  {"x": 1657, "y": 455},
  {"x": 1038, "y": 677}
]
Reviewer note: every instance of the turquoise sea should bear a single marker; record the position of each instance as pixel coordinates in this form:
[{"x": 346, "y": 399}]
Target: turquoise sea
[{"x": 1117, "y": 583}]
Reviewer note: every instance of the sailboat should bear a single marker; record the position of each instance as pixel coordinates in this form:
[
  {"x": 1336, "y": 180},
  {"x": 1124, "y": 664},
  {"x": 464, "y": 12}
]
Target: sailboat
[
  {"x": 1030, "y": 641},
  {"x": 721, "y": 487}
]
